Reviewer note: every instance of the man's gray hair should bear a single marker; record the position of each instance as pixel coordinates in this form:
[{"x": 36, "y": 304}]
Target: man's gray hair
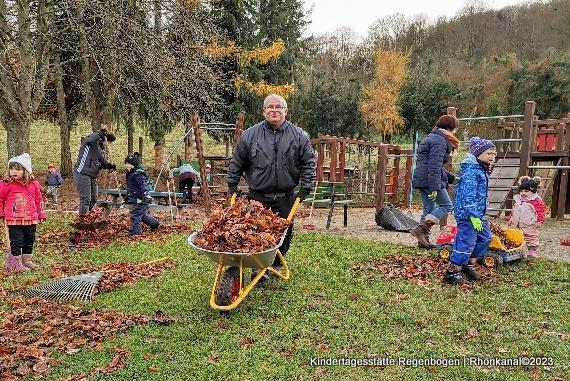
[{"x": 275, "y": 96}]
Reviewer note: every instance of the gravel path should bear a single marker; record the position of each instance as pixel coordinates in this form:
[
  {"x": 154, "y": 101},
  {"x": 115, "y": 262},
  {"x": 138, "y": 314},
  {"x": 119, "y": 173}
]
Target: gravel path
[{"x": 361, "y": 225}]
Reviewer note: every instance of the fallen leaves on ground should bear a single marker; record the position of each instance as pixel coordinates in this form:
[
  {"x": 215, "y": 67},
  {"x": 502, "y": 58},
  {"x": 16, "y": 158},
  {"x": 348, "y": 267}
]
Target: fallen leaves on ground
[
  {"x": 497, "y": 230},
  {"x": 33, "y": 329},
  {"x": 419, "y": 269},
  {"x": 245, "y": 227},
  {"x": 116, "y": 274}
]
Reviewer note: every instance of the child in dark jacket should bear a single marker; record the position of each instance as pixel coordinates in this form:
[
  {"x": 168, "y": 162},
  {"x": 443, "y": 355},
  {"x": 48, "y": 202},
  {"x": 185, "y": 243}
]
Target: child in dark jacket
[
  {"x": 138, "y": 195},
  {"x": 473, "y": 232},
  {"x": 53, "y": 182}
]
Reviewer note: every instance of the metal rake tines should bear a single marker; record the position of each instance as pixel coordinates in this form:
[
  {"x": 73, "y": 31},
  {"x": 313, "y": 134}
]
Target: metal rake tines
[{"x": 77, "y": 287}]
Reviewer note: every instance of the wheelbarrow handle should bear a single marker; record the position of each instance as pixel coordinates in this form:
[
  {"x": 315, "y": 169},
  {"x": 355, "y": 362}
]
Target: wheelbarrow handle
[
  {"x": 233, "y": 199},
  {"x": 294, "y": 209}
]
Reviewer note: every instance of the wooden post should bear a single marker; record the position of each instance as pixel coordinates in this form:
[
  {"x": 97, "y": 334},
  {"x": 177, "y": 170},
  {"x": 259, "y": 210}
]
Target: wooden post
[
  {"x": 321, "y": 162},
  {"x": 342, "y": 161},
  {"x": 200, "y": 151},
  {"x": 408, "y": 179},
  {"x": 563, "y": 193},
  {"x": 334, "y": 157},
  {"x": 380, "y": 184},
  {"x": 396, "y": 178},
  {"x": 528, "y": 143},
  {"x": 141, "y": 145},
  {"x": 448, "y": 166}
]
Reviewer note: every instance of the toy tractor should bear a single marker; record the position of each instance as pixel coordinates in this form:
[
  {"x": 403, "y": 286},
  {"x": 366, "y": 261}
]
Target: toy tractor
[{"x": 496, "y": 255}]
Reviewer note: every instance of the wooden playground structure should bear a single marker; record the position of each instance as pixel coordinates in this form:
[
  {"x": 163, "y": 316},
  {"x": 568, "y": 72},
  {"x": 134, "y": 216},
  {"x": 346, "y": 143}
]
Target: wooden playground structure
[
  {"x": 372, "y": 173},
  {"x": 529, "y": 146}
]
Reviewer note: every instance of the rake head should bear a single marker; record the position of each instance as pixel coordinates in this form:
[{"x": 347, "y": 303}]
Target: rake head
[{"x": 78, "y": 287}]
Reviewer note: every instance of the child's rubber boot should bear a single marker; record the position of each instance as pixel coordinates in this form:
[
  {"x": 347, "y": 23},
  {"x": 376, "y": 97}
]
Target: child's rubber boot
[
  {"x": 453, "y": 275},
  {"x": 27, "y": 261},
  {"x": 532, "y": 253},
  {"x": 14, "y": 264},
  {"x": 470, "y": 271}
]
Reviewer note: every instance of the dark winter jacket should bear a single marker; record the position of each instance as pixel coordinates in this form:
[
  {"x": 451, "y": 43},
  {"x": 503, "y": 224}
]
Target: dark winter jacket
[
  {"x": 137, "y": 185},
  {"x": 91, "y": 159},
  {"x": 54, "y": 179},
  {"x": 274, "y": 160},
  {"x": 433, "y": 153},
  {"x": 471, "y": 190}
]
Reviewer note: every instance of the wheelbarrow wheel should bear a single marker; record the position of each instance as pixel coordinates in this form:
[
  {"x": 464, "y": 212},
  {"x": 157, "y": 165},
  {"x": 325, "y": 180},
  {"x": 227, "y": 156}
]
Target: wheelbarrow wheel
[
  {"x": 228, "y": 289},
  {"x": 445, "y": 251},
  {"x": 493, "y": 259}
]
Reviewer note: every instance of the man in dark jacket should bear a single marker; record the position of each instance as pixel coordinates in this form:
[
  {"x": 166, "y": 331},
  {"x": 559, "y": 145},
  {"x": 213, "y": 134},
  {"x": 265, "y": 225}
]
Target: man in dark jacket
[
  {"x": 89, "y": 162},
  {"x": 138, "y": 195},
  {"x": 276, "y": 156}
]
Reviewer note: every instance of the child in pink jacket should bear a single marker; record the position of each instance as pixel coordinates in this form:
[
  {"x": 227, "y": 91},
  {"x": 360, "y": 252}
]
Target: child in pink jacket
[
  {"x": 22, "y": 208},
  {"x": 528, "y": 212}
]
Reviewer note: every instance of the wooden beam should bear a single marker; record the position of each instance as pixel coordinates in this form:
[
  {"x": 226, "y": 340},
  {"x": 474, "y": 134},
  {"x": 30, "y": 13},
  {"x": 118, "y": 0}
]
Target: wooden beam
[
  {"x": 333, "y": 165},
  {"x": 202, "y": 161},
  {"x": 563, "y": 193},
  {"x": 320, "y": 162},
  {"x": 408, "y": 179},
  {"x": 381, "y": 176},
  {"x": 341, "y": 161},
  {"x": 528, "y": 142}
]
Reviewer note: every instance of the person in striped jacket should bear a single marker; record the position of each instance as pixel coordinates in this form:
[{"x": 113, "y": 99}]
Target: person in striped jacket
[{"x": 89, "y": 162}]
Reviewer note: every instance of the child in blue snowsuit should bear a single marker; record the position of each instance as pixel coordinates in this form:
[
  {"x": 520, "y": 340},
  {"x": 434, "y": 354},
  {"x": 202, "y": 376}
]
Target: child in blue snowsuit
[
  {"x": 138, "y": 195},
  {"x": 473, "y": 232}
]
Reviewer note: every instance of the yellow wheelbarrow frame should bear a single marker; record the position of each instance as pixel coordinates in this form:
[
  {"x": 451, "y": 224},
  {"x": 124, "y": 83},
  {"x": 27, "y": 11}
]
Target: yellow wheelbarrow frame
[{"x": 262, "y": 261}]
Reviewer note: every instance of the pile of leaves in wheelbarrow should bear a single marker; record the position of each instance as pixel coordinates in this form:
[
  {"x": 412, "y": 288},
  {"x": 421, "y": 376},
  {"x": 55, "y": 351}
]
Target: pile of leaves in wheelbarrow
[
  {"x": 498, "y": 231},
  {"x": 422, "y": 270},
  {"x": 34, "y": 329},
  {"x": 245, "y": 227}
]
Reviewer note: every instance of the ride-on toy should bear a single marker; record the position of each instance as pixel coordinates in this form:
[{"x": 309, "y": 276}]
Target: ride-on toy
[
  {"x": 228, "y": 290},
  {"x": 496, "y": 255}
]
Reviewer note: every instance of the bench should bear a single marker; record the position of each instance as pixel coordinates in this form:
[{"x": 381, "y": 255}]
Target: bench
[
  {"x": 116, "y": 193},
  {"x": 330, "y": 194}
]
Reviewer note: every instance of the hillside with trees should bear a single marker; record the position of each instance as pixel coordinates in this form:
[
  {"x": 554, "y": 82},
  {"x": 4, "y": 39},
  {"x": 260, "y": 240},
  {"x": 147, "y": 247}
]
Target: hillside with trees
[{"x": 154, "y": 62}]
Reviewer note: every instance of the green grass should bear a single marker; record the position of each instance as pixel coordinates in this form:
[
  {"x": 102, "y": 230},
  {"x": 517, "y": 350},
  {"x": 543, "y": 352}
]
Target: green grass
[
  {"x": 327, "y": 309},
  {"x": 45, "y": 144}
]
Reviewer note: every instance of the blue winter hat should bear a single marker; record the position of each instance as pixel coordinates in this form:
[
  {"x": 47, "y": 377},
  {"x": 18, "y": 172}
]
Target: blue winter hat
[{"x": 477, "y": 145}]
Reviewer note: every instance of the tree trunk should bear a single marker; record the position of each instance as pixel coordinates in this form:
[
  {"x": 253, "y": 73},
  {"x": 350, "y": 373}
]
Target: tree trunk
[
  {"x": 130, "y": 130},
  {"x": 63, "y": 121},
  {"x": 189, "y": 144},
  {"x": 17, "y": 137},
  {"x": 158, "y": 156}
]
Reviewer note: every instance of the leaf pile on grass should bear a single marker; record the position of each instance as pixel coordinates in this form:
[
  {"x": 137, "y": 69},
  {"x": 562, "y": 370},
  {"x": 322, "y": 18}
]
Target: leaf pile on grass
[
  {"x": 32, "y": 330},
  {"x": 245, "y": 227},
  {"x": 418, "y": 269},
  {"x": 100, "y": 231},
  {"x": 118, "y": 361},
  {"x": 116, "y": 274}
]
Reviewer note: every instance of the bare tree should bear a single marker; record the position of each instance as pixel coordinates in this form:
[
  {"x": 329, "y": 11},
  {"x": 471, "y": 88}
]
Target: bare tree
[{"x": 25, "y": 35}]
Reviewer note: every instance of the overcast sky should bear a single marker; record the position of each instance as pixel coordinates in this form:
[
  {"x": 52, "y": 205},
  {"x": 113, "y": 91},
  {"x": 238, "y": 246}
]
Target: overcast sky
[{"x": 328, "y": 15}]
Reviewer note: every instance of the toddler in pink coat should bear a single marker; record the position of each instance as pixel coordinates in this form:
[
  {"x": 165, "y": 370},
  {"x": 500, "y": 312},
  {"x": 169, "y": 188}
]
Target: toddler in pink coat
[
  {"x": 22, "y": 208},
  {"x": 528, "y": 212}
]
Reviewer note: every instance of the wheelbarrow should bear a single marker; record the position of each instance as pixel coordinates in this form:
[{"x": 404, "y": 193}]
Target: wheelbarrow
[{"x": 229, "y": 288}]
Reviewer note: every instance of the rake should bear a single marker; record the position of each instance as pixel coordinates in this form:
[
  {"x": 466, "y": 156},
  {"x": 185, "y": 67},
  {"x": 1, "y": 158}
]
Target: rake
[{"x": 77, "y": 287}]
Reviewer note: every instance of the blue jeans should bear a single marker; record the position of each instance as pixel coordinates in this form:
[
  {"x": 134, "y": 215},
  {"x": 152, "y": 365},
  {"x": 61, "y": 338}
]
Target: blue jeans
[
  {"x": 439, "y": 208},
  {"x": 469, "y": 242}
]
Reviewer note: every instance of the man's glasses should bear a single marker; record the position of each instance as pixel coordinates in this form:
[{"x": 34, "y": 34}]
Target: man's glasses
[{"x": 273, "y": 107}]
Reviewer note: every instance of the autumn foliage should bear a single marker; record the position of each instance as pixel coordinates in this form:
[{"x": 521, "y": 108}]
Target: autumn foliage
[{"x": 379, "y": 107}]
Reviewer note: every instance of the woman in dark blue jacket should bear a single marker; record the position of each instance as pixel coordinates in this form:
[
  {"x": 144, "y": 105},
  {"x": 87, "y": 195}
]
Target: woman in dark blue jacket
[{"x": 432, "y": 179}]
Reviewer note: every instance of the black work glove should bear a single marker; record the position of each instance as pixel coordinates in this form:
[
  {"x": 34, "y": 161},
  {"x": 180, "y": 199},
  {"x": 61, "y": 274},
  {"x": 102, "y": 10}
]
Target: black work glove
[
  {"x": 233, "y": 189},
  {"x": 111, "y": 167},
  {"x": 302, "y": 194},
  {"x": 110, "y": 137},
  {"x": 147, "y": 199}
]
